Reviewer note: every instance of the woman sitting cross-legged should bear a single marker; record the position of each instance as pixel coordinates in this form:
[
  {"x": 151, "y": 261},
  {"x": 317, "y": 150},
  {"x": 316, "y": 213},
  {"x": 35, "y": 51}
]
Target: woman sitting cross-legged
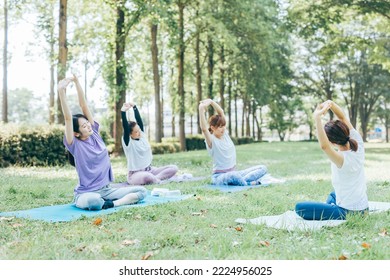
[
  {"x": 223, "y": 152},
  {"x": 343, "y": 145},
  {"x": 89, "y": 155},
  {"x": 139, "y": 153}
]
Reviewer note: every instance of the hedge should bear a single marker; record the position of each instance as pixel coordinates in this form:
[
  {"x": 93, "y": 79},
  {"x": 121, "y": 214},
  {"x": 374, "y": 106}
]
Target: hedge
[
  {"x": 36, "y": 146},
  {"x": 43, "y": 145}
]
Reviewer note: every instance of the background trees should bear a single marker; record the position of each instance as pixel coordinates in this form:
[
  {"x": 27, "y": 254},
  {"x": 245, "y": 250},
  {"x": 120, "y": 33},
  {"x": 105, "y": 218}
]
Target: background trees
[{"x": 266, "y": 62}]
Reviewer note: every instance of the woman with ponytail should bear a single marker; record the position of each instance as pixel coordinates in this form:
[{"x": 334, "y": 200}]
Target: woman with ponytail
[
  {"x": 89, "y": 155},
  {"x": 344, "y": 147},
  {"x": 223, "y": 152}
]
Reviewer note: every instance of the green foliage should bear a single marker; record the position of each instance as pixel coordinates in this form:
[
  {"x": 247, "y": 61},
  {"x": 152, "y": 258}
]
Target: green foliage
[
  {"x": 195, "y": 143},
  {"x": 164, "y": 148},
  {"x": 34, "y": 146}
]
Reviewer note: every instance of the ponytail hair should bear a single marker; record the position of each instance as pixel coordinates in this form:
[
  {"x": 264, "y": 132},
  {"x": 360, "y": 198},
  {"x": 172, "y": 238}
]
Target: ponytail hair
[
  {"x": 338, "y": 133},
  {"x": 76, "y": 128},
  {"x": 132, "y": 124},
  {"x": 216, "y": 121}
]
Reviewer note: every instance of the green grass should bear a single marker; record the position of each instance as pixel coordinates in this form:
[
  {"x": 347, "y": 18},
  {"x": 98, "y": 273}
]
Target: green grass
[{"x": 172, "y": 231}]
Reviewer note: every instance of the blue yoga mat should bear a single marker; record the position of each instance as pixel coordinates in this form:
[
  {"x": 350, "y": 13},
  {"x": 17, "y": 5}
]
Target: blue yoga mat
[
  {"x": 69, "y": 212},
  {"x": 231, "y": 189}
]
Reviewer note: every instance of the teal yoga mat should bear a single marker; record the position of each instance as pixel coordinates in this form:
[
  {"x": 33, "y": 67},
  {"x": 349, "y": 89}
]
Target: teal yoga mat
[
  {"x": 68, "y": 212},
  {"x": 231, "y": 188}
]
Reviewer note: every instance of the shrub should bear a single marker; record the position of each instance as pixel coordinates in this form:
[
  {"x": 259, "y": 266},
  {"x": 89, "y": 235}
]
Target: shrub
[
  {"x": 164, "y": 148},
  {"x": 33, "y": 146},
  {"x": 195, "y": 142}
]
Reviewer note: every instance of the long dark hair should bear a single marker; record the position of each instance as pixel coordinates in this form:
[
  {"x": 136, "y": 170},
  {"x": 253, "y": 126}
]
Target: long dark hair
[
  {"x": 76, "y": 128},
  {"x": 216, "y": 121},
  {"x": 338, "y": 133}
]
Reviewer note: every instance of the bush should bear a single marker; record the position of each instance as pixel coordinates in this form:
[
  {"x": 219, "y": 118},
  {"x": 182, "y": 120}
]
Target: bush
[
  {"x": 164, "y": 148},
  {"x": 36, "y": 146},
  {"x": 195, "y": 142}
]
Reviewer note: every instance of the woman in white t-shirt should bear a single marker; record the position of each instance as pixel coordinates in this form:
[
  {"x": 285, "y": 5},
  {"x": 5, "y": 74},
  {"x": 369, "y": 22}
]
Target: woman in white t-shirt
[
  {"x": 223, "y": 152},
  {"x": 344, "y": 147},
  {"x": 139, "y": 153}
]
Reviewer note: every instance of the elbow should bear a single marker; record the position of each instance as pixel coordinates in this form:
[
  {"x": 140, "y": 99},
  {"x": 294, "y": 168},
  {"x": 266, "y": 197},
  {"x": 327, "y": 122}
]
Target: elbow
[{"x": 324, "y": 147}]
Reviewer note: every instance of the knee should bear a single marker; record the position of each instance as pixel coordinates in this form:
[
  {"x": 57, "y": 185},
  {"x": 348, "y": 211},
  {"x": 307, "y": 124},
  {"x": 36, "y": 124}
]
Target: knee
[
  {"x": 174, "y": 169},
  {"x": 90, "y": 202},
  {"x": 264, "y": 168},
  {"x": 142, "y": 193}
]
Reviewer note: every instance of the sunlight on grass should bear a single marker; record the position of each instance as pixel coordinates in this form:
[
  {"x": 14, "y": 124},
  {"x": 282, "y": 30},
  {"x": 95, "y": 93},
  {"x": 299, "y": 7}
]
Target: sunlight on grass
[{"x": 201, "y": 227}]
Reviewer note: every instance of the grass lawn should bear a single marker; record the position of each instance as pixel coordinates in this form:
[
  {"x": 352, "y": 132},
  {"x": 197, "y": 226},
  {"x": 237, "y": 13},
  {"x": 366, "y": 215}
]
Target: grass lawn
[{"x": 202, "y": 227}]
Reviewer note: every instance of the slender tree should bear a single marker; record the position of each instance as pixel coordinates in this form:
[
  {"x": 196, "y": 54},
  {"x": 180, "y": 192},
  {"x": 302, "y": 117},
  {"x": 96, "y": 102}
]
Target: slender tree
[{"x": 5, "y": 65}]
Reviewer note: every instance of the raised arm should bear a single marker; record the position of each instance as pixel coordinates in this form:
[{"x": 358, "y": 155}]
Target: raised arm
[
  {"x": 217, "y": 108},
  {"x": 138, "y": 118},
  {"x": 323, "y": 140},
  {"x": 82, "y": 102},
  {"x": 69, "y": 135},
  {"x": 125, "y": 125},
  {"x": 339, "y": 113},
  {"x": 203, "y": 122}
]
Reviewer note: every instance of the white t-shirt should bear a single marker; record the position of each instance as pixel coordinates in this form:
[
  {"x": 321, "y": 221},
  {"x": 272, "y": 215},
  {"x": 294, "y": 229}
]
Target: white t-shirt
[
  {"x": 138, "y": 153},
  {"x": 223, "y": 152},
  {"x": 349, "y": 181}
]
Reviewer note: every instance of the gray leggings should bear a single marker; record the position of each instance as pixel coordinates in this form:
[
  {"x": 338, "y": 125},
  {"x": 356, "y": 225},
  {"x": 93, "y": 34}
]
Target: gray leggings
[{"x": 95, "y": 200}]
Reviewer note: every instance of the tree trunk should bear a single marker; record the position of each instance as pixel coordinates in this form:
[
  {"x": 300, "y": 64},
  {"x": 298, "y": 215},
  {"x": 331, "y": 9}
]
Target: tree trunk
[
  {"x": 156, "y": 80},
  {"x": 229, "y": 91},
  {"x": 181, "y": 79},
  {"x": 120, "y": 76},
  {"x": 162, "y": 93},
  {"x": 247, "y": 115},
  {"x": 51, "y": 95},
  {"x": 198, "y": 77},
  {"x": 222, "y": 78},
  {"x": 210, "y": 69},
  {"x": 62, "y": 54},
  {"x": 235, "y": 116},
  {"x": 243, "y": 117},
  {"x": 5, "y": 66}
]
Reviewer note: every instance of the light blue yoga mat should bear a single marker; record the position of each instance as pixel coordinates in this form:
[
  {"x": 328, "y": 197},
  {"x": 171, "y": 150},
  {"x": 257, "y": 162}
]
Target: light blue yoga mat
[
  {"x": 231, "y": 189},
  {"x": 68, "y": 212}
]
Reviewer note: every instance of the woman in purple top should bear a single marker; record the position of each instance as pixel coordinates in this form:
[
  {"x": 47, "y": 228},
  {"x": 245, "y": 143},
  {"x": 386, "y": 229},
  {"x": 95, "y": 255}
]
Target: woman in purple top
[{"x": 89, "y": 155}]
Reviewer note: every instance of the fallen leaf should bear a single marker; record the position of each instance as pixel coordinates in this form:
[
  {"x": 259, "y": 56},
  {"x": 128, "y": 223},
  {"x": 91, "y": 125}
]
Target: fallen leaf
[
  {"x": 383, "y": 233},
  {"x": 196, "y": 214},
  {"x": 366, "y": 245},
  {"x": 98, "y": 221},
  {"x": 342, "y": 257},
  {"x": 213, "y": 226},
  {"x": 264, "y": 244},
  {"x": 198, "y": 198},
  {"x": 114, "y": 255},
  {"x": 147, "y": 256},
  {"x": 80, "y": 249},
  {"x": 238, "y": 228},
  {"x": 128, "y": 242}
]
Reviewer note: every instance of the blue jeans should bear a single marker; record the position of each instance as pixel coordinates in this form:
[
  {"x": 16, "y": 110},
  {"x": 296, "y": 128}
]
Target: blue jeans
[
  {"x": 324, "y": 211},
  {"x": 240, "y": 178},
  {"x": 95, "y": 200}
]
